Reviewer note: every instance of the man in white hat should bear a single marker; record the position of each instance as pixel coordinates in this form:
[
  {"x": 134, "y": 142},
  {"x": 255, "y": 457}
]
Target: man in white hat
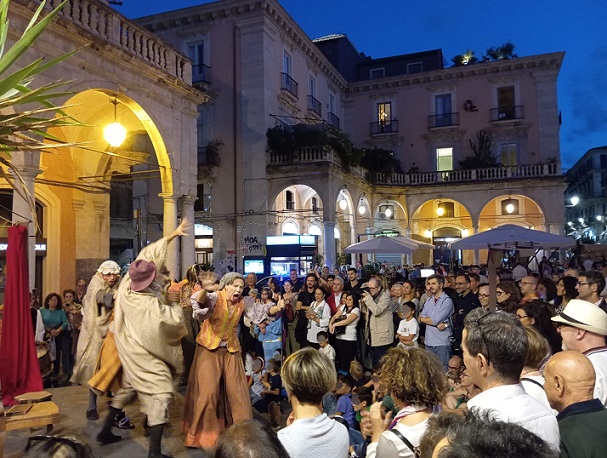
[
  {"x": 96, "y": 312},
  {"x": 583, "y": 327}
]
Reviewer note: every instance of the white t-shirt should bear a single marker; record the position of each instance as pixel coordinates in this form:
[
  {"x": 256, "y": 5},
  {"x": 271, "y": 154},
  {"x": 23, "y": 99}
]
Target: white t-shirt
[
  {"x": 328, "y": 351},
  {"x": 408, "y": 328},
  {"x": 535, "y": 391},
  {"x": 318, "y": 436},
  {"x": 350, "y": 333}
]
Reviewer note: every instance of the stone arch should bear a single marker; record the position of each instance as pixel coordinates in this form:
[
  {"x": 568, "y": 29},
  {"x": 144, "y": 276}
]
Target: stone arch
[
  {"x": 91, "y": 106},
  {"x": 529, "y": 213}
]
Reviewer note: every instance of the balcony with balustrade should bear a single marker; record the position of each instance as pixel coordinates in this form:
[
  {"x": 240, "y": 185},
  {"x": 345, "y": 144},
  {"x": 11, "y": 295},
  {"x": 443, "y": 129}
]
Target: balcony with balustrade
[
  {"x": 333, "y": 120},
  {"x": 492, "y": 174},
  {"x": 100, "y": 23}
]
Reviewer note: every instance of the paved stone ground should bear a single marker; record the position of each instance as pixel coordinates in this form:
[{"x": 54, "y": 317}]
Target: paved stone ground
[{"x": 73, "y": 401}]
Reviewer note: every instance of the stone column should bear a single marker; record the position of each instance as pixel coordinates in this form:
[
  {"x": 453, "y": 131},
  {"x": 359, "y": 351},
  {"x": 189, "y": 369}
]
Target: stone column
[
  {"x": 329, "y": 242},
  {"x": 22, "y": 212},
  {"x": 169, "y": 224},
  {"x": 188, "y": 251},
  {"x": 476, "y": 252}
]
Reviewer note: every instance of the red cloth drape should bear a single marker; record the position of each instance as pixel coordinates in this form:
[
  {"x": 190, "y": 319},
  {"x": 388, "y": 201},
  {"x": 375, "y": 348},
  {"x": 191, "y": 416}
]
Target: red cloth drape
[{"x": 19, "y": 368}]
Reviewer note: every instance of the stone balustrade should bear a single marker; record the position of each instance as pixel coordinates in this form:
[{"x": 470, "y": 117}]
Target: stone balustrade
[
  {"x": 316, "y": 154},
  {"x": 98, "y": 19}
]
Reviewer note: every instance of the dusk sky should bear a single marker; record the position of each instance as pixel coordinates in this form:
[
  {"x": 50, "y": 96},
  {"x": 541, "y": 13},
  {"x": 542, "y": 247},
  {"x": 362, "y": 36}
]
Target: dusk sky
[{"x": 391, "y": 27}]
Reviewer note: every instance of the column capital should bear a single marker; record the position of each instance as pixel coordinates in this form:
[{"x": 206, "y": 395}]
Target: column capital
[
  {"x": 188, "y": 199},
  {"x": 168, "y": 196}
]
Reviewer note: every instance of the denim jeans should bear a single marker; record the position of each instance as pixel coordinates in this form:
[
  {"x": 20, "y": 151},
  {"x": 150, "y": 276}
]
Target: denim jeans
[{"x": 443, "y": 352}]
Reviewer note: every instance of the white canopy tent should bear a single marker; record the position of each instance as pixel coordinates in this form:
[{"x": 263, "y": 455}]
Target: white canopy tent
[
  {"x": 387, "y": 245},
  {"x": 510, "y": 237}
]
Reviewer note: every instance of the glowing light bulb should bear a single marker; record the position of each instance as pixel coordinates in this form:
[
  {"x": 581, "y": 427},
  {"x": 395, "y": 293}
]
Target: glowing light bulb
[
  {"x": 114, "y": 134},
  {"x": 440, "y": 211},
  {"x": 361, "y": 210},
  {"x": 510, "y": 208},
  {"x": 343, "y": 204},
  {"x": 388, "y": 212}
]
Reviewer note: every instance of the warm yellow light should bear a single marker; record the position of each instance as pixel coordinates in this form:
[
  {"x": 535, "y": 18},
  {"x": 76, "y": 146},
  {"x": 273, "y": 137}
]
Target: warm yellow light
[
  {"x": 388, "y": 212},
  {"x": 465, "y": 233},
  {"x": 427, "y": 233},
  {"x": 114, "y": 134},
  {"x": 440, "y": 211},
  {"x": 510, "y": 208}
]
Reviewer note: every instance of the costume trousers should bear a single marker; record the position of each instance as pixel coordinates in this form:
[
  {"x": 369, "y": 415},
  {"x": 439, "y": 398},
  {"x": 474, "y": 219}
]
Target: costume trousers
[
  {"x": 217, "y": 396},
  {"x": 154, "y": 406}
]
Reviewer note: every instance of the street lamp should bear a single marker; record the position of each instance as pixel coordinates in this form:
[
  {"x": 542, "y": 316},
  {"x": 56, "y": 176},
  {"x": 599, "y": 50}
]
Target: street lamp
[{"x": 575, "y": 200}]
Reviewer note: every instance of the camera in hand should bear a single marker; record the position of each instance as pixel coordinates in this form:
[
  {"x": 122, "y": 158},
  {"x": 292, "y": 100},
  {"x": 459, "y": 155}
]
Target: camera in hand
[{"x": 366, "y": 289}]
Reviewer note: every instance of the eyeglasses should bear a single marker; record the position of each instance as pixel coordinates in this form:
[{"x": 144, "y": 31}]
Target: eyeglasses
[
  {"x": 73, "y": 443},
  {"x": 484, "y": 296},
  {"x": 583, "y": 283},
  {"x": 522, "y": 316},
  {"x": 451, "y": 368},
  {"x": 480, "y": 329},
  {"x": 499, "y": 293}
]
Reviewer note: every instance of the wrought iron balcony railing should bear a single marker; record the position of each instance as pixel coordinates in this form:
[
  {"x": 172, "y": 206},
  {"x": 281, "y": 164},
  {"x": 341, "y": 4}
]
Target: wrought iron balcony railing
[
  {"x": 289, "y": 84},
  {"x": 333, "y": 120},
  {"x": 314, "y": 105},
  {"x": 384, "y": 127},
  {"x": 201, "y": 73},
  {"x": 507, "y": 113},
  {"x": 443, "y": 120}
]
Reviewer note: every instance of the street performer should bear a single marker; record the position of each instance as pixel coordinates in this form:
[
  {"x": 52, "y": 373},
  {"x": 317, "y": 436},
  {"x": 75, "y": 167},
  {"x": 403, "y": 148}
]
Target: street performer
[
  {"x": 217, "y": 393},
  {"x": 148, "y": 327},
  {"x": 97, "y": 309}
]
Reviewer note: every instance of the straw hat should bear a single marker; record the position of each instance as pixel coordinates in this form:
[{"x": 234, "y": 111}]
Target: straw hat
[{"x": 583, "y": 315}]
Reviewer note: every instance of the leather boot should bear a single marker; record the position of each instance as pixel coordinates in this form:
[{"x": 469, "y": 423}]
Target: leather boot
[
  {"x": 155, "y": 450},
  {"x": 275, "y": 414},
  {"x": 106, "y": 436}
]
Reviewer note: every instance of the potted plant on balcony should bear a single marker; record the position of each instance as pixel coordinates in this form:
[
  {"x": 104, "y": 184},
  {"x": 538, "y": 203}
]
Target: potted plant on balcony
[
  {"x": 482, "y": 157},
  {"x": 379, "y": 160}
]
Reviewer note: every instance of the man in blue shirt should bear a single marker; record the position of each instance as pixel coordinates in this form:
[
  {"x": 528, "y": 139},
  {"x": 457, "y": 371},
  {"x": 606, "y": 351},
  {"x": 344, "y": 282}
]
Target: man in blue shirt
[{"x": 436, "y": 316}]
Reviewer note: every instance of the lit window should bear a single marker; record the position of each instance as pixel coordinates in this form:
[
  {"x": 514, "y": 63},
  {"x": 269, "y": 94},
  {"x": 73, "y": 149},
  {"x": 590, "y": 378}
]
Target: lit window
[{"x": 444, "y": 159}]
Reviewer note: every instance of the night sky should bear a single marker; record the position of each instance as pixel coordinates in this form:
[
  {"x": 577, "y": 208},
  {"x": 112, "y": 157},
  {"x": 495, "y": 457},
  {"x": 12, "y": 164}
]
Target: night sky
[{"x": 392, "y": 27}]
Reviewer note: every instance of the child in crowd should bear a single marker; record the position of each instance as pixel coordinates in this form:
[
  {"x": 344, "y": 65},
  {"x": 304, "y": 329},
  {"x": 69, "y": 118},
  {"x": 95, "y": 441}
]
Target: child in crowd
[
  {"x": 358, "y": 374},
  {"x": 344, "y": 407},
  {"x": 361, "y": 400},
  {"x": 329, "y": 402},
  {"x": 256, "y": 380},
  {"x": 325, "y": 347},
  {"x": 270, "y": 395},
  {"x": 408, "y": 329}
]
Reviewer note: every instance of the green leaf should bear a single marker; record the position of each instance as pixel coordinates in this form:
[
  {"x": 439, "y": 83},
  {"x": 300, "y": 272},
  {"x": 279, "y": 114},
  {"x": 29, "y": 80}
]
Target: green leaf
[{"x": 28, "y": 38}]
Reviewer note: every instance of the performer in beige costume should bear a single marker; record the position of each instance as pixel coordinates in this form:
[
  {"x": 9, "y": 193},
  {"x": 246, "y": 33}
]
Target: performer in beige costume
[
  {"x": 148, "y": 327},
  {"x": 96, "y": 313}
]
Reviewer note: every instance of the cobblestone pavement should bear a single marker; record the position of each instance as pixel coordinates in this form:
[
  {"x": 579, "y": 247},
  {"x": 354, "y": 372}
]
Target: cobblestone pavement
[{"x": 73, "y": 401}]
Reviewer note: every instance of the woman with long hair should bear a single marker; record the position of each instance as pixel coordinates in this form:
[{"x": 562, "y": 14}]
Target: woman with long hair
[
  {"x": 508, "y": 296},
  {"x": 536, "y": 314},
  {"x": 343, "y": 326},
  {"x": 408, "y": 293},
  {"x": 546, "y": 289},
  {"x": 187, "y": 287},
  {"x": 565, "y": 291},
  {"x": 319, "y": 316}
]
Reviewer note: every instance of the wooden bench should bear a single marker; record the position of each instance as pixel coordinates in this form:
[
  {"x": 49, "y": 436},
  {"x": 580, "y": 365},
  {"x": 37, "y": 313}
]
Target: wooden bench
[
  {"x": 34, "y": 397},
  {"x": 41, "y": 414}
]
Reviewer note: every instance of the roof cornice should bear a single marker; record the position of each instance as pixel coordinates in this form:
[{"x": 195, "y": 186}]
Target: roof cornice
[{"x": 537, "y": 63}]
